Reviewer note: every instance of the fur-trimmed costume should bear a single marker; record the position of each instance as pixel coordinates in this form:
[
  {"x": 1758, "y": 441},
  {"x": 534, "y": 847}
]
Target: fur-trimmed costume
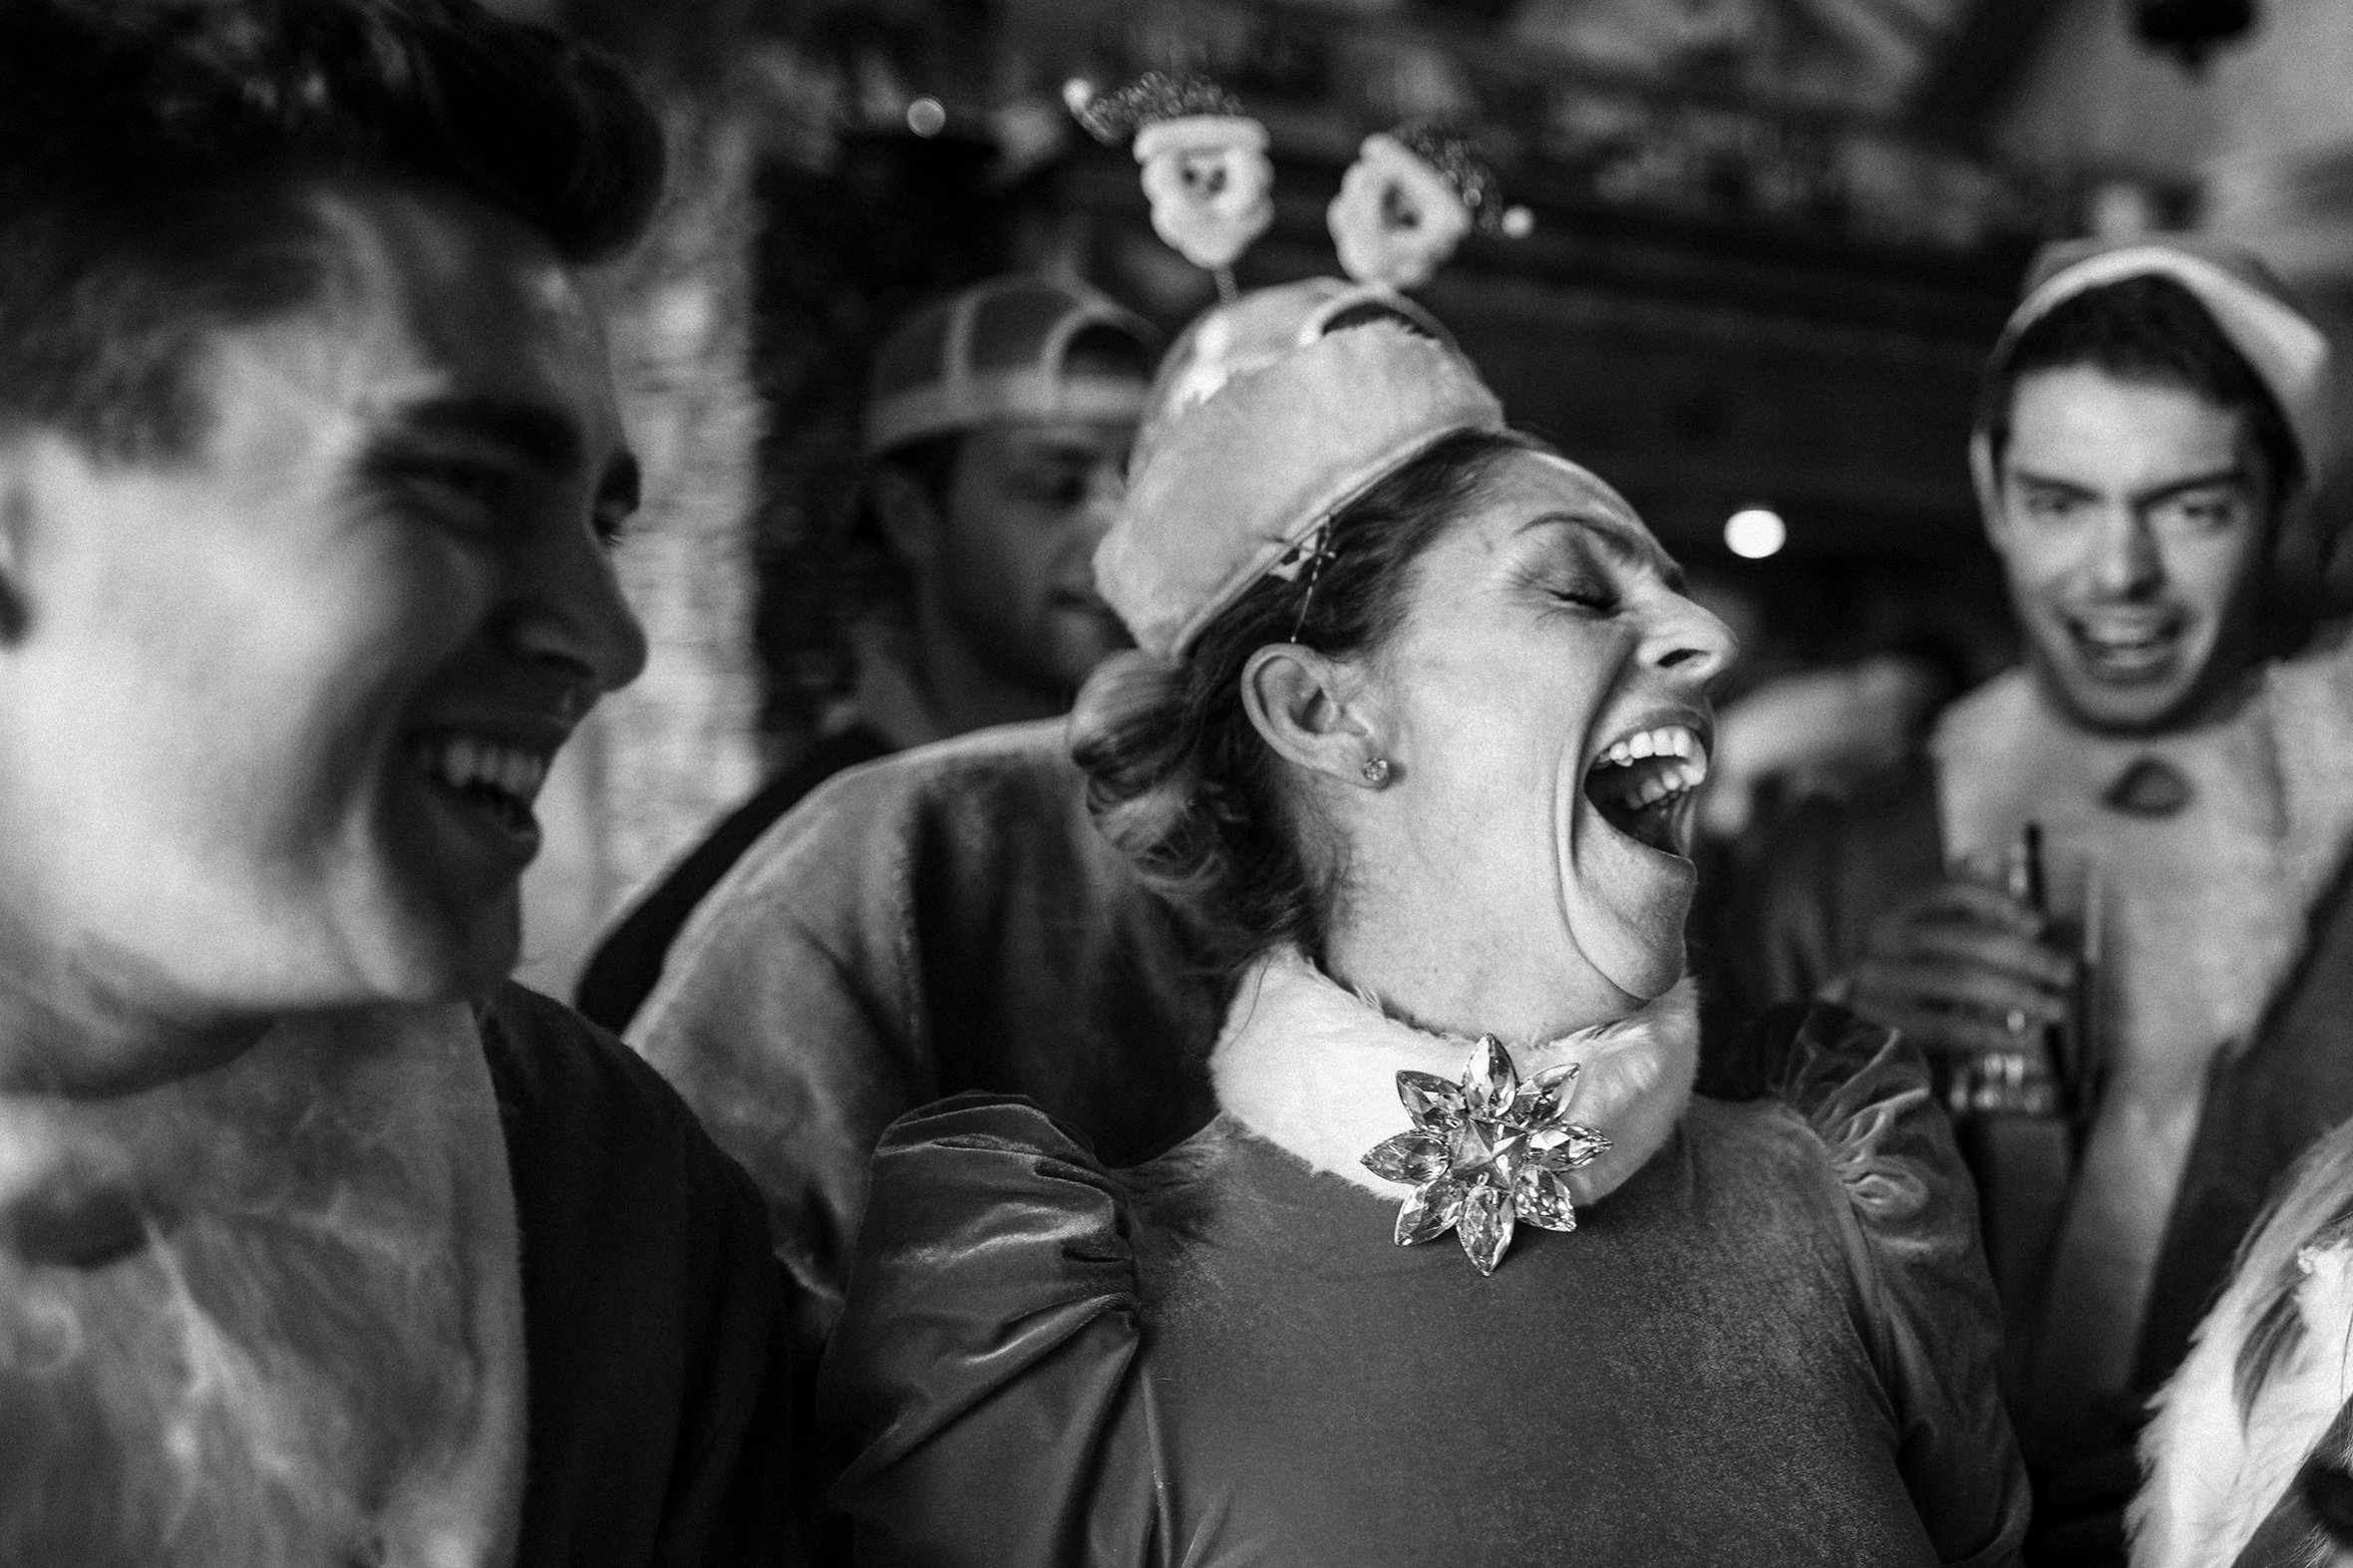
[
  {"x": 2226, "y": 970},
  {"x": 412, "y": 1286},
  {"x": 1770, "y": 1337}
]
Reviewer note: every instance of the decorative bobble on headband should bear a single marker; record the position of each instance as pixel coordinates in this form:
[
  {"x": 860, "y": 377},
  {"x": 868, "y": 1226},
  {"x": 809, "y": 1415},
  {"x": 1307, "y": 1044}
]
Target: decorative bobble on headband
[
  {"x": 1205, "y": 162},
  {"x": 1276, "y": 409},
  {"x": 1405, "y": 204},
  {"x": 1409, "y": 200}
]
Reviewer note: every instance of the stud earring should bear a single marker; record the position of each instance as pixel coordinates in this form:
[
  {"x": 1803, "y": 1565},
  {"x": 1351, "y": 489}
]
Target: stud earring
[{"x": 1376, "y": 771}]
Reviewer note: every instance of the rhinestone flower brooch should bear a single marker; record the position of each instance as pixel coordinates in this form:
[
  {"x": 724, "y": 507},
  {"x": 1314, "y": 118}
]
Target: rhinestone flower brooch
[{"x": 1485, "y": 1154}]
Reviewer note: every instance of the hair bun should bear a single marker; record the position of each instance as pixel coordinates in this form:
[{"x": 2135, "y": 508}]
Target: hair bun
[
  {"x": 1127, "y": 693},
  {"x": 1128, "y": 735}
]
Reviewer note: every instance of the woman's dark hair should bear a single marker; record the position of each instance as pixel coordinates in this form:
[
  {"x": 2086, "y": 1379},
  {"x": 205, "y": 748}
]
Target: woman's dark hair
[
  {"x": 1179, "y": 778},
  {"x": 2149, "y": 329}
]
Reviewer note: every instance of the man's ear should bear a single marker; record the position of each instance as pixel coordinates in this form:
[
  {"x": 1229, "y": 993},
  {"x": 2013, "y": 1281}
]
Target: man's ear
[
  {"x": 908, "y": 515},
  {"x": 1986, "y": 479},
  {"x": 1310, "y": 708}
]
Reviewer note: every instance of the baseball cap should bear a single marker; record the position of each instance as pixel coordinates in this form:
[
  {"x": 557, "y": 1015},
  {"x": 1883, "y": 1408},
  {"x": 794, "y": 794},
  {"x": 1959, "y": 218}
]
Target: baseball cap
[{"x": 999, "y": 350}]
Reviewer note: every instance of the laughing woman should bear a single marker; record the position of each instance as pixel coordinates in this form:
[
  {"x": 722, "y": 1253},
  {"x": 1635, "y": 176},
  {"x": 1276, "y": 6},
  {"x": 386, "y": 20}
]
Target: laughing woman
[{"x": 1412, "y": 723}]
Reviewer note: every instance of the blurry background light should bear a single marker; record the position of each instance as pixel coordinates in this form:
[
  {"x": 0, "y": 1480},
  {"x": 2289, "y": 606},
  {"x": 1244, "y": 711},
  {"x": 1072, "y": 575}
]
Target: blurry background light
[{"x": 1754, "y": 532}]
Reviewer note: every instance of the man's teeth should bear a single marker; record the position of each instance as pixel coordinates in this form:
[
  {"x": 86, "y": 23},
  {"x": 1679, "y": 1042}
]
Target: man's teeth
[
  {"x": 461, "y": 759},
  {"x": 2126, "y": 639}
]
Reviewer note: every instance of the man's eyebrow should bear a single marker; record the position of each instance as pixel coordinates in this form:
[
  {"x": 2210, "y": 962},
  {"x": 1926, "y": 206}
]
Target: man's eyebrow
[
  {"x": 2234, "y": 472},
  {"x": 545, "y": 437},
  {"x": 1620, "y": 544},
  {"x": 2051, "y": 481}
]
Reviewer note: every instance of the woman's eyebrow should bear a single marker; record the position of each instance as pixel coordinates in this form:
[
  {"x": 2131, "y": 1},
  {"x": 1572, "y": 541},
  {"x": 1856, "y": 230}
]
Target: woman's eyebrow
[{"x": 1629, "y": 549}]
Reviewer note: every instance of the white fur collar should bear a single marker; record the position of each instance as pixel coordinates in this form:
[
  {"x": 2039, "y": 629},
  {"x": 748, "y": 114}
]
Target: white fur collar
[
  {"x": 2264, "y": 837},
  {"x": 1312, "y": 1069}
]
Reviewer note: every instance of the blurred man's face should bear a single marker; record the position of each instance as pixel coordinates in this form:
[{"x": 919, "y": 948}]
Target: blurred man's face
[
  {"x": 1015, "y": 571},
  {"x": 2133, "y": 519},
  {"x": 271, "y": 728}
]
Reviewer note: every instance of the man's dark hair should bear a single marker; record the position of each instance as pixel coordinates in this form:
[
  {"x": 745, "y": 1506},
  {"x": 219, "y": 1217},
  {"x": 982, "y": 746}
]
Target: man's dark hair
[
  {"x": 157, "y": 159},
  {"x": 2149, "y": 329}
]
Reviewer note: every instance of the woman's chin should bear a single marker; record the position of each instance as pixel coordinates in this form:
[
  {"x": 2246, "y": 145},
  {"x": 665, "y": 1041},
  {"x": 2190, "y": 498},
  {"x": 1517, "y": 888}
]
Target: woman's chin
[{"x": 1627, "y": 904}]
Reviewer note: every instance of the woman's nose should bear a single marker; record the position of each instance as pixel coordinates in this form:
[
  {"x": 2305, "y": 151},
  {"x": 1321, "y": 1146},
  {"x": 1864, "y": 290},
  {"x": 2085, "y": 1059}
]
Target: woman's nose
[{"x": 1686, "y": 638}]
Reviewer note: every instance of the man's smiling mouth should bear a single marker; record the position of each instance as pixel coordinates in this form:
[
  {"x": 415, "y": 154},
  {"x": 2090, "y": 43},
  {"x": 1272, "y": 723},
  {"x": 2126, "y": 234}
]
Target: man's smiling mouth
[
  {"x": 1643, "y": 785},
  {"x": 492, "y": 777},
  {"x": 2125, "y": 646}
]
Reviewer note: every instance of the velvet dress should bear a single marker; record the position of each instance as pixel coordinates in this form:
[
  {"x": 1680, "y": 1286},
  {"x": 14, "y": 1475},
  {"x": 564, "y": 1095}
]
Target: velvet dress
[{"x": 1770, "y": 1337}]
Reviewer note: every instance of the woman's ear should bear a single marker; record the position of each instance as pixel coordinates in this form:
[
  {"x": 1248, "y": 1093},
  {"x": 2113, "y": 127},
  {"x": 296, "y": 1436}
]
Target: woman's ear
[{"x": 1310, "y": 709}]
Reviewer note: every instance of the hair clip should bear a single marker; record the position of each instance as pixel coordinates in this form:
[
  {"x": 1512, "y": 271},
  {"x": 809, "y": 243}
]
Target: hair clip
[
  {"x": 1309, "y": 554},
  {"x": 1411, "y": 195},
  {"x": 1205, "y": 168}
]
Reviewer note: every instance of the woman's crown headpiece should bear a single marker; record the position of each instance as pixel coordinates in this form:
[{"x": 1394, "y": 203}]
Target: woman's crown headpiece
[{"x": 1276, "y": 409}]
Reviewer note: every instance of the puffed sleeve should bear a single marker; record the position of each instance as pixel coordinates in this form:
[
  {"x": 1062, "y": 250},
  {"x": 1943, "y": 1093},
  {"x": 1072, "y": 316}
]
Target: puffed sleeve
[
  {"x": 984, "y": 1383},
  {"x": 1929, "y": 1311}
]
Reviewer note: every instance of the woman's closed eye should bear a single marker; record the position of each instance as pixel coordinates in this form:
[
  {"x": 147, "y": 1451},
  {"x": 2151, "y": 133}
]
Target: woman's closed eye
[
  {"x": 1585, "y": 596},
  {"x": 1563, "y": 581}
]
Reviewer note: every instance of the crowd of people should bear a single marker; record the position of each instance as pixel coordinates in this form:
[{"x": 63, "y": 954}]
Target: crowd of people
[{"x": 1262, "y": 1114}]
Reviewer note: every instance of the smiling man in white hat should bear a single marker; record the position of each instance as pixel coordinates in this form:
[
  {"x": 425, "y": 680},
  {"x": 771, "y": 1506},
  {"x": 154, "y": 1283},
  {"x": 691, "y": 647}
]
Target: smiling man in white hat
[{"x": 2152, "y": 418}]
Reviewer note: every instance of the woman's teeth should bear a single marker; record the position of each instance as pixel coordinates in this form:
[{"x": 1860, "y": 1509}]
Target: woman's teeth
[
  {"x": 1673, "y": 741},
  {"x": 1655, "y": 768}
]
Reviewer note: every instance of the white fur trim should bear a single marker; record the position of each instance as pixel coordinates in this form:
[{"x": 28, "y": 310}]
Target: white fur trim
[
  {"x": 2213, "y": 1476},
  {"x": 2203, "y": 917},
  {"x": 1312, "y": 1069},
  {"x": 347, "y": 1164}
]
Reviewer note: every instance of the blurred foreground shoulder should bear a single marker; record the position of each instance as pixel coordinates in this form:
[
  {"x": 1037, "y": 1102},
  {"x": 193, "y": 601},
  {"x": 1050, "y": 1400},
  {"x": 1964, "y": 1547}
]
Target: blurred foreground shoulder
[{"x": 654, "y": 1313}]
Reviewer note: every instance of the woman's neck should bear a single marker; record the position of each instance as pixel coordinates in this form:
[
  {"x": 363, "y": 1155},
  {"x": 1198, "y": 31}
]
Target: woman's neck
[{"x": 1467, "y": 977}]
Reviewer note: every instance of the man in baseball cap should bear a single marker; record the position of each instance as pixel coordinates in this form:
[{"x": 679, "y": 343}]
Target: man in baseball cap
[
  {"x": 998, "y": 422},
  {"x": 2109, "y": 901}
]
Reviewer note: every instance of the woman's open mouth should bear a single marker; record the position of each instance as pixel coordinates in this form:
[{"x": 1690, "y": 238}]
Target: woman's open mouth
[{"x": 1644, "y": 786}]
